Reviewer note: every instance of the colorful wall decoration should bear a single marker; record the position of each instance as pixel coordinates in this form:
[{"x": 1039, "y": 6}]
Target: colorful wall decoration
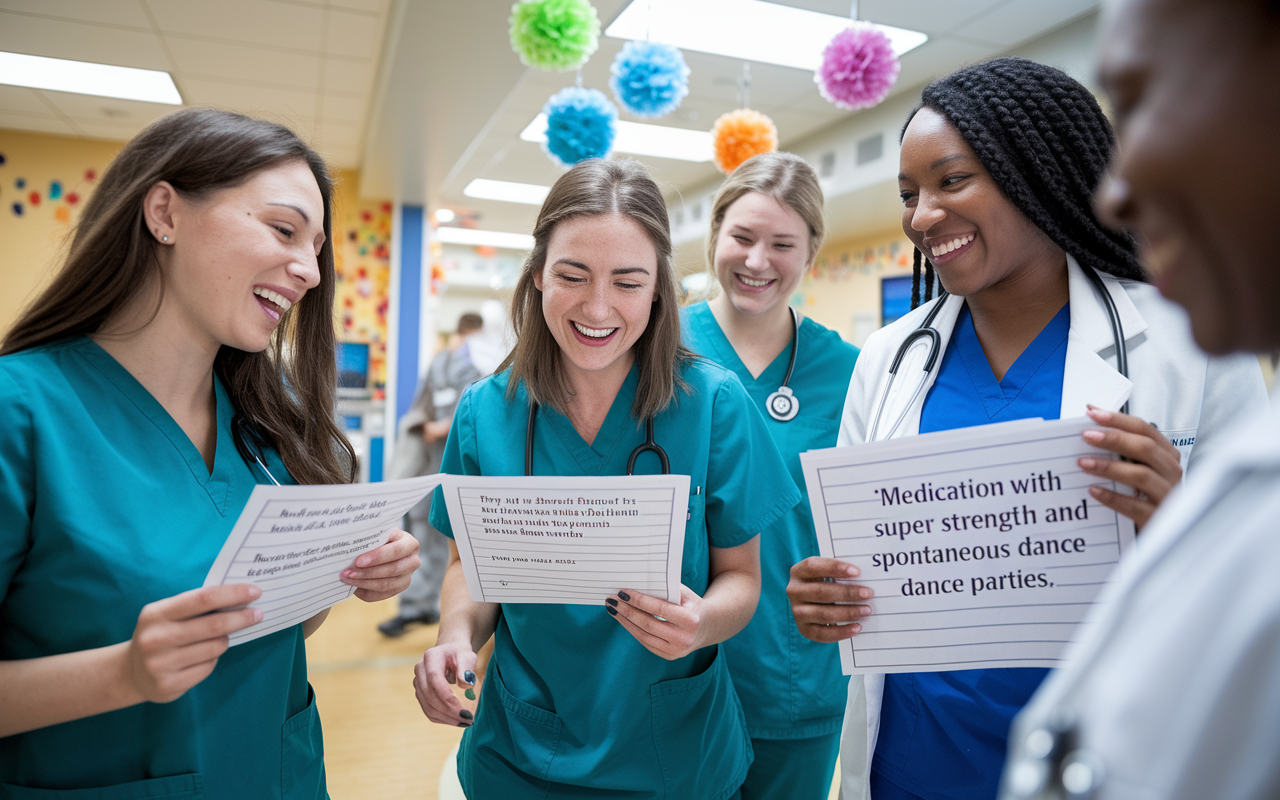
[
  {"x": 842, "y": 288},
  {"x": 363, "y": 265}
]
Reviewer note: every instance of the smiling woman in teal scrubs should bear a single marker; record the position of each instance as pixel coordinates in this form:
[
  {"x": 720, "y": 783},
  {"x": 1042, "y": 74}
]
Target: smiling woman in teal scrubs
[
  {"x": 142, "y": 397},
  {"x": 766, "y": 229},
  {"x": 629, "y": 699}
]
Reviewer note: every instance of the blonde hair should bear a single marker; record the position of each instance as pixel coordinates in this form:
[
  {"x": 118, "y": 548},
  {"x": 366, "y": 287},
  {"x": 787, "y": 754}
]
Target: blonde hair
[
  {"x": 598, "y": 187},
  {"x": 787, "y": 178}
]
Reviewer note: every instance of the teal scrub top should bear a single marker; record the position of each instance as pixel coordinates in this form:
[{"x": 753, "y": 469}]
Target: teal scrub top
[
  {"x": 573, "y": 705},
  {"x": 105, "y": 506},
  {"x": 791, "y": 688}
]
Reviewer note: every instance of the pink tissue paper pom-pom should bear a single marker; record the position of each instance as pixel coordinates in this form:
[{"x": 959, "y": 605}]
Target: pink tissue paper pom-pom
[{"x": 858, "y": 68}]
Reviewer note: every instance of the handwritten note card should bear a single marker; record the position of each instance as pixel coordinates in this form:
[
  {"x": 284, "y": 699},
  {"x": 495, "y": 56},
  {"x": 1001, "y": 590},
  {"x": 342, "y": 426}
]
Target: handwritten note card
[
  {"x": 983, "y": 545},
  {"x": 569, "y": 540},
  {"x": 293, "y": 541}
]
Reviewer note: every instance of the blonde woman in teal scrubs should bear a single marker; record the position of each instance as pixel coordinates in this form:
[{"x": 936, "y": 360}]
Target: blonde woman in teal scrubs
[
  {"x": 142, "y": 397},
  {"x": 631, "y": 698},
  {"x": 766, "y": 228}
]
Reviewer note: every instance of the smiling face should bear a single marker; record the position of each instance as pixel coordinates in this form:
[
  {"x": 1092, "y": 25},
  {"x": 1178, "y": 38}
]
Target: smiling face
[
  {"x": 761, "y": 252},
  {"x": 241, "y": 257},
  {"x": 1193, "y": 86},
  {"x": 954, "y": 211},
  {"x": 597, "y": 293}
]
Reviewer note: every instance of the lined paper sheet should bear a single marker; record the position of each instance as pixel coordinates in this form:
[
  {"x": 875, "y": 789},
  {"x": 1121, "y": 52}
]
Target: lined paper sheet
[
  {"x": 983, "y": 545},
  {"x": 293, "y": 541},
  {"x": 569, "y": 540}
]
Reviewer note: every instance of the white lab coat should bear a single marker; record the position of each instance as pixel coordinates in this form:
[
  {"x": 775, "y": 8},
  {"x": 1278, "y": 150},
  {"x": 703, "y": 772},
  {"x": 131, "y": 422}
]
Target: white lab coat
[
  {"x": 1175, "y": 680},
  {"x": 1184, "y": 392}
]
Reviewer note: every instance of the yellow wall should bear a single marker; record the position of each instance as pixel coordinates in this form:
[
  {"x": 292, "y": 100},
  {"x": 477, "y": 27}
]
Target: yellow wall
[
  {"x": 362, "y": 260},
  {"x": 843, "y": 286},
  {"x": 31, "y": 242}
]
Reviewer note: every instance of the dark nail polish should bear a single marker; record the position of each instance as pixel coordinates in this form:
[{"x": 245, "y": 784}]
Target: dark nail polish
[
  {"x": 465, "y": 714},
  {"x": 470, "y": 694},
  {"x": 468, "y": 677},
  {"x": 611, "y": 601},
  {"x": 611, "y": 610},
  {"x": 464, "y": 724},
  {"x": 625, "y": 596}
]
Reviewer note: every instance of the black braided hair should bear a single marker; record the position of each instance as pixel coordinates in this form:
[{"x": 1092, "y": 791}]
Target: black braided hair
[{"x": 1045, "y": 141}]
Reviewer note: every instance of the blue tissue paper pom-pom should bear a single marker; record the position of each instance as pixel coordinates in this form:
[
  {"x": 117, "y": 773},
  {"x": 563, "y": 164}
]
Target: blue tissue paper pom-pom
[
  {"x": 580, "y": 125},
  {"x": 649, "y": 79}
]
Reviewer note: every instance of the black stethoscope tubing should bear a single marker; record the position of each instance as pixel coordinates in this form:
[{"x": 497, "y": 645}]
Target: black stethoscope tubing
[
  {"x": 783, "y": 405},
  {"x": 927, "y": 331},
  {"x": 649, "y": 446}
]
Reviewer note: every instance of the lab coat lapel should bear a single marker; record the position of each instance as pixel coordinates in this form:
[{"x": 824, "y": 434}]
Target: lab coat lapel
[{"x": 1089, "y": 376}]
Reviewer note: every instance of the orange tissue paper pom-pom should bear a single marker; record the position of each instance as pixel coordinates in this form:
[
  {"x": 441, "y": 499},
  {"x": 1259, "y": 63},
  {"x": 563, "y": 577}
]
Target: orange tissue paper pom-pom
[{"x": 739, "y": 135}]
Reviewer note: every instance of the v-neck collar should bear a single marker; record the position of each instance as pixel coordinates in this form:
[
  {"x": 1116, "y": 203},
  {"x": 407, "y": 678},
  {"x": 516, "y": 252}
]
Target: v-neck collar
[
  {"x": 725, "y": 355},
  {"x": 593, "y": 458},
  {"x": 216, "y": 483},
  {"x": 995, "y": 394}
]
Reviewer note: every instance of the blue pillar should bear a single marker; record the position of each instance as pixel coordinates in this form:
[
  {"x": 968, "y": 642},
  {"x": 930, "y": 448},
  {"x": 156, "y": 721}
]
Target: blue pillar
[{"x": 409, "y": 305}]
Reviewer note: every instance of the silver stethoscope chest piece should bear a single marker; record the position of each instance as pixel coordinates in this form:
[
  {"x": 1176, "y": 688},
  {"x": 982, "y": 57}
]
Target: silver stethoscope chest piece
[{"x": 783, "y": 405}]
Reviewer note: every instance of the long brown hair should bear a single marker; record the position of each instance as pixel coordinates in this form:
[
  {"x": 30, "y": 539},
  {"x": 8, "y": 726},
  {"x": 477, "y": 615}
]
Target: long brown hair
[
  {"x": 785, "y": 177},
  {"x": 286, "y": 393},
  {"x": 592, "y": 188}
]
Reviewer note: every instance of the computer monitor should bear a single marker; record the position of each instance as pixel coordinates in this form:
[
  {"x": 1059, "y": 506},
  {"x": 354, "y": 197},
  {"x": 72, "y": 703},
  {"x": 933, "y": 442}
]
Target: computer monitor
[
  {"x": 895, "y": 296},
  {"x": 353, "y": 365}
]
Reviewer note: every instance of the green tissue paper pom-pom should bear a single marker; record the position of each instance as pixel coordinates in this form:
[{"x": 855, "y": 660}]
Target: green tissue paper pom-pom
[{"x": 555, "y": 35}]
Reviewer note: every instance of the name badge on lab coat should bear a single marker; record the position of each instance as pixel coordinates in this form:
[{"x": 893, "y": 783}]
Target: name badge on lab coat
[{"x": 1183, "y": 440}]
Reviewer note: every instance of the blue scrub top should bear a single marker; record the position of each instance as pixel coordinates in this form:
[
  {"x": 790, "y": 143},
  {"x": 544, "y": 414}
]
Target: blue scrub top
[
  {"x": 791, "y": 687},
  {"x": 943, "y": 735},
  {"x": 105, "y": 506},
  {"x": 573, "y": 705}
]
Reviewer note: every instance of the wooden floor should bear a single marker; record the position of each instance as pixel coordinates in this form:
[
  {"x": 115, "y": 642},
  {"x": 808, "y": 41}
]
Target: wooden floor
[{"x": 377, "y": 743}]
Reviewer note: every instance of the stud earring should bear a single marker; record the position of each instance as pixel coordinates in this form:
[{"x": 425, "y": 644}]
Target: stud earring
[{"x": 164, "y": 238}]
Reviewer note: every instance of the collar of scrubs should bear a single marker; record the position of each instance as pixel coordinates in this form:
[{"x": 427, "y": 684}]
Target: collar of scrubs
[
  {"x": 592, "y": 458},
  {"x": 996, "y": 396},
  {"x": 225, "y": 460},
  {"x": 710, "y": 332}
]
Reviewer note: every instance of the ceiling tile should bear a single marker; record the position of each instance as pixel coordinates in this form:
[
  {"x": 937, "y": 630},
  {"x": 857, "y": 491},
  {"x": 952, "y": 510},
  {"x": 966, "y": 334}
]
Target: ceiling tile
[
  {"x": 210, "y": 60},
  {"x": 253, "y": 99},
  {"x": 354, "y": 34},
  {"x": 41, "y": 123},
  {"x": 80, "y": 42},
  {"x": 275, "y": 25},
  {"x": 1020, "y": 20},
  {"x": 126, "y": 113},
  {"x": 345, "y": 76},
  {"x": 20, "y": 98},
  {"x": 367, "y": 6},
  {"x": 121, "y": 131},
  {"x": 351, "y": 109},
  {"x": 934, "y": 17},
  {"x": 112, "y": 12}
]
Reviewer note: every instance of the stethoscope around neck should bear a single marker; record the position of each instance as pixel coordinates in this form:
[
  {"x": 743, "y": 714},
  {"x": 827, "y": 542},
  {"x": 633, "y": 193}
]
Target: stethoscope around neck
[
  {"x": 926, "y": 331},
  {"x": 783, "y": 405},
  {"x": 649, "y": 445}
]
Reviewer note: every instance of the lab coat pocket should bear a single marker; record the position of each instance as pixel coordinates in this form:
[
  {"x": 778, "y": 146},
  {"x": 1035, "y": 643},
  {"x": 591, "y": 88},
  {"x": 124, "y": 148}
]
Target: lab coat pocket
[
  {"x": 302, "y": 754},
  {"x": 172, "y": 787},
  {"x": 512, "y": 730},
  {"x": 700, "y": 734}
]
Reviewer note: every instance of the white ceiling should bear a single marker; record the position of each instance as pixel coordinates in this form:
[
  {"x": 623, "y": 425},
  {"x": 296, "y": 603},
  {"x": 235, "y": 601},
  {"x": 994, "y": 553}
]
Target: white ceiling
[
  {"x": 425, "y": 95},
  {"x": 308, "y": 63}
]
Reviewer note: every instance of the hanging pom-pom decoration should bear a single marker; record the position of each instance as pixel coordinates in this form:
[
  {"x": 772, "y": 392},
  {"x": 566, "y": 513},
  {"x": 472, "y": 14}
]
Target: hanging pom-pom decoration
[
  {"x": 580, "y": 124},
  {"x": 555, "y": 35},
  {"x": 649, "y": 79},
  {"x": 858, "y": 67},
  {"x": 741, "y": 134}
]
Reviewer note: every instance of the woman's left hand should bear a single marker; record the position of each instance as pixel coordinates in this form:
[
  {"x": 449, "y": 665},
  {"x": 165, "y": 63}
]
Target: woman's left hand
[
  {"x": 1153, "y": 467},
  {"x": 384, "y": 571},
  {"x": 665, "y": 629}
]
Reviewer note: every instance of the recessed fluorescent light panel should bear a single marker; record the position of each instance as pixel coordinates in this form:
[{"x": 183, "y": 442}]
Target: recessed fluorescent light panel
[
  {"x": 640, "y": 139},
  {"x": 471, "y": 236},
  {"x": 750, "y": 30},
  {"x": 82, "y": 77},
  {"x": 507, "y": 191}
]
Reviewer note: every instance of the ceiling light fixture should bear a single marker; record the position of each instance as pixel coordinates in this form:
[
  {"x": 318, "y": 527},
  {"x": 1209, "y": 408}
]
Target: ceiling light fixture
[
  {"x": 471, "y": 236},
  {"x": 640, "y": 139},
  {"x": 750, "y": 30},
  {"x": 508, "y": 191},
  {"x": 445, "y": 215},
  {"x": 83, "y": 77}
]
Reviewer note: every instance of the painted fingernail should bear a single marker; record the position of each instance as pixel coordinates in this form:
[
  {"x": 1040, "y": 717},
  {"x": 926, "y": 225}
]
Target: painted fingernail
[
  {"x": 1096, "y": 491},
  {"x": 611, "y": 610},
  {"x": 625, "y": 596},
  {"x": 464, "y": 724},
  {"x": 864, "y": 594},
  {"x": 611, "y": 601},
  {"x": 1093, "y": 436},
  {"x": 257, "y": 615},
  {"x": 465, "y": 714},
  {"x": 468, "y": 676},
  {"x": 347, "y": 573},
  {"x": 1088, "y": 463},
  {"x": 851, "y": 571},
  {"x": 470, "y": 694}
]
